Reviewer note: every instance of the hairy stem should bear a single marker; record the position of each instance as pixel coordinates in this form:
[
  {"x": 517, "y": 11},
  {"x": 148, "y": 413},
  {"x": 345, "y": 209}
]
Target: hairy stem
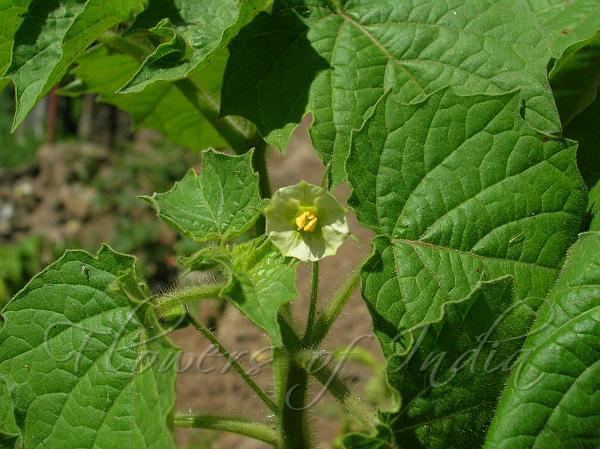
[
  {"x": 294, "y": 424},
  {"x": 170, "y": 306},
  {"x": 312, "y": 310},
  {"x": 235, "y": 364},
  {"x": 334, "y": 308},
  {"x": 314, "y": 364},
  {"x": 255, "y": 430}
]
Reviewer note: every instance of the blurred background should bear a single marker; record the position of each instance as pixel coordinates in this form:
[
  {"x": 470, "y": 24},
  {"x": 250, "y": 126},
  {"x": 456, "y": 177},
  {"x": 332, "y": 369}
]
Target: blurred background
[{"x": 70, "y": 177}]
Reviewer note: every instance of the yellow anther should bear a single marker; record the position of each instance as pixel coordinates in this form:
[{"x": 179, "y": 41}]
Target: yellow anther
[{"x": 307, "y": 221}]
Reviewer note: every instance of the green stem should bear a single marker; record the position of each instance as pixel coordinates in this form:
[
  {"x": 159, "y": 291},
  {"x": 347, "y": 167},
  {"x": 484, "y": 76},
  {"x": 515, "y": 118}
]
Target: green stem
[
  {"x": 171, "y": 306},
  {"x": 235, "y": 364},
  {"x": 129, "y": 47},
  {"x": 234, "y": 134},
  {"x": 259, "y": 161},
  {"x": 294, "y": 425},
  {"x": 327, "y": 376},
  {"x": 335, "y": 385},
  {"x": 255, "y": 430},
  {"x": 239, "y": 141},
  {"x": 312, "y": 309},
  {"x": 335, "y": 307}
]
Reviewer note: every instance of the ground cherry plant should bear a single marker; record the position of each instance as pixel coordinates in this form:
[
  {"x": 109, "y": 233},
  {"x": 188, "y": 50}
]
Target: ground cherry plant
[{"x": 469, "y": 134}]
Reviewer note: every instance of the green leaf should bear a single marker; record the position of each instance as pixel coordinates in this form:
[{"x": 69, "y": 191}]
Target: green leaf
[
  {"x": 585, "y": 129},
  {"x": 221, "y": 203},
  {"x": 383, "y": 439},
  {"x": 53, "y": 34},
  {"x": 463, "y": 192},
  {"x": 414, "y": 48},
  {"x": 464, "y": 187},
  {"x": 84, "y": 360},
  {"x": 192, "y": 32},
  {"x": 11, "y": 17},
  {"x": 260, "y": 281},
  {"x": 454, "y": 372},
  {"x": 576, "y": 79},
  {"x": 160, "y": 106},
  {"x": 553, "y": 399},
  {"x": 568, "y": 21},
  {"x": 9, "y": 431}
]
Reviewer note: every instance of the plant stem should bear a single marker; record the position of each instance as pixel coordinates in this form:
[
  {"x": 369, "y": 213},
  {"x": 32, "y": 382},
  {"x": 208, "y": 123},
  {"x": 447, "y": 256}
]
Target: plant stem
[
  {"x": 312, "y": 310},
  {"x": 235, "y": 135},
  {"x": 259, "y": 162},
  {"x": 336, "y": 386},
  {"x": 328, "y": 377},
  {"x": 207, "y": 106},
  {"x": 235, "y": 364},
  {"x": 260, "y": 165},
  {"x": 258, "y": 431},
  {"x": 171, "y": 306},
  {"x": 294, "y": 425},
  {"x": 335, "y": 307}
]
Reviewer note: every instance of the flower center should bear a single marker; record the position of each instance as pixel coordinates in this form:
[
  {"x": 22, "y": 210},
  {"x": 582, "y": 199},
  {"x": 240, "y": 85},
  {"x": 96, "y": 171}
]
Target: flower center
[{"x": 307, "y": 221}]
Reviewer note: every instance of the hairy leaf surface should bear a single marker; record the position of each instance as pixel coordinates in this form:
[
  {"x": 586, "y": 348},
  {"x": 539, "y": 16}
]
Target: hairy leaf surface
[
  {"x": 9, "y": 431},
  {"x": 463, "y": 192},
  {"x": 414, "y": 48},
  {"x": 568, "y": 21},
  {"x": 86, "y": 366},
  {"x": 192, "y": 32},
  {"x": 219, "y": 204},
  {"x": 455, "y": 370},
  {"x": 552, "y": 400},
  {"x": 259, "y": 281},
  {"x": 52, "y": 35}
]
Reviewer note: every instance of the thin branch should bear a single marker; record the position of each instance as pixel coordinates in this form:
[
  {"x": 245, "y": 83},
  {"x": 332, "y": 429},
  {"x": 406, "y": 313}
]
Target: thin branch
[
  {"x": 235, "y": 364},
  {"x": 312, "y": 310},
  {"x": 335, "y": 307},
  {"x": 255, "y": 430}
]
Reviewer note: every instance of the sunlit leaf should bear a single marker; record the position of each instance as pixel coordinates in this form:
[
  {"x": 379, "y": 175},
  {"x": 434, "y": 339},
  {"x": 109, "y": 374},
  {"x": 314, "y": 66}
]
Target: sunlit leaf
[
  {"x": 220, "y": 203},
  {"x": 277, "y": 69},
  {"x": 84, "y": 361},
  {"x": 52, "y": 35},
  {"x": 192, "y": 33},
  {"x": 464, "y": 193},
  {"x": 553, "y": 399}
]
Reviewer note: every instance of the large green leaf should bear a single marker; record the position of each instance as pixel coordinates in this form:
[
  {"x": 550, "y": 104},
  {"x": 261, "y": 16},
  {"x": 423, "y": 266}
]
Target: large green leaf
[
  {"x": 11, "y": 17},
  {"x": 259, "y": 281},
  {"x": 220, "y": 203},
  {"x": 452, "y": 376},
  {"x": 9, "y": 431},
  {"x": 413, "y": 47},
  {"x": 192, "y": 32},
  {"x": 568, "y": 21},
  {"x": 463, "y": 192},
  {"x": 52, "y": 35},
  {"x": 160, "y": 106},
  {"x": 575, "y": 80},
  {"x": 552, "y": 400},
  {"x": 85, "y": 363},
  {"x": 585, "y": 129}
]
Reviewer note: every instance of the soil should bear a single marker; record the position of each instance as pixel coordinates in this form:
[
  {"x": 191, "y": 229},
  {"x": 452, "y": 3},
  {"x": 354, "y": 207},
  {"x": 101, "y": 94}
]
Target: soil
[
  {"x": 57, "y": 198},
  {"x": 217, "y": 392}
]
